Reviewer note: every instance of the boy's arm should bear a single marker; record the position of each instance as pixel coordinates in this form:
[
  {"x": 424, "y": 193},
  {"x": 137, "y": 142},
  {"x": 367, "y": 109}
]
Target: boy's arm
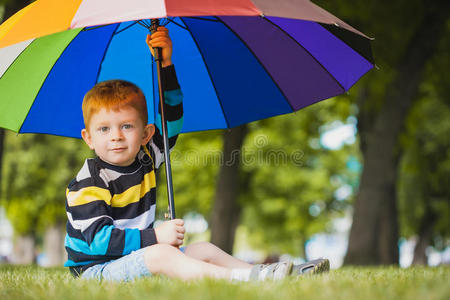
[
  {"x": 173, "y": 110},
  {"x": 91, "y": 229}
]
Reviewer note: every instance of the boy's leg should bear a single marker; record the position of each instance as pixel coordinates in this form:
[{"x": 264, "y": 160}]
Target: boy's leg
[
  {"x": 170, "y": 261},
  {"x": 240, "y": 270},
  {"x": 210, "y": 253}
]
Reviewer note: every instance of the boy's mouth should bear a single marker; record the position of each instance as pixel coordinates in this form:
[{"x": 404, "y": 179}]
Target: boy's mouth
[{"x": 118, "y": 149}]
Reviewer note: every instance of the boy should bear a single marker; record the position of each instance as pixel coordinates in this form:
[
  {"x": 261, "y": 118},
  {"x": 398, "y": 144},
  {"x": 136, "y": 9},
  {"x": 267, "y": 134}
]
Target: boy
[{"x": 111, "y": 203}]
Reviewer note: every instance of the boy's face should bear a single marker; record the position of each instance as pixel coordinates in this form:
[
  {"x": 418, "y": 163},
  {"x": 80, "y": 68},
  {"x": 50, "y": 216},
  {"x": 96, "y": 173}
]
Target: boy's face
[{"x": 116, "y": 136}]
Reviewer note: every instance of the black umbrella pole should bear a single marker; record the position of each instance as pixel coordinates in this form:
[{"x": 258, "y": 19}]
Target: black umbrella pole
[{"x": 158, "y": 59}]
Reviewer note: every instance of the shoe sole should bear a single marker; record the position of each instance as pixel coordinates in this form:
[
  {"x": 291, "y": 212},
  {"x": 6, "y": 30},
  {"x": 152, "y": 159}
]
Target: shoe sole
[
  {"x": 322, "y": 266},
  {"x": 316, "y": 266}
]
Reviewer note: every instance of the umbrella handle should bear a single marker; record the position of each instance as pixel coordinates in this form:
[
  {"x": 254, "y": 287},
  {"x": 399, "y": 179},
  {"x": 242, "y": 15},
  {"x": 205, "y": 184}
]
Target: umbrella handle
[
  {"x": 158, "y": 59},
  {"x": 153, "y": 28}
]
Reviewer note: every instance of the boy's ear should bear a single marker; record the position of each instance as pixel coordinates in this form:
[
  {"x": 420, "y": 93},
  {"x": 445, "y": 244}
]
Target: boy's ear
[
  {"x": 87, "y": 138},
  {"x": 149, "y": 131}
]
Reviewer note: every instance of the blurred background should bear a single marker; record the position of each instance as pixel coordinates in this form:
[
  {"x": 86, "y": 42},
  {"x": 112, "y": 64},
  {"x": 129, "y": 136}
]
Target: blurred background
[{"x": 363, "y": 179}]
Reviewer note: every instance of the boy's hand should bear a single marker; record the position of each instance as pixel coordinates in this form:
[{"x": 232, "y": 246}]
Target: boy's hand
[
  {"x": 170, "y": 232},
  {"x": 162, "y": 40}
]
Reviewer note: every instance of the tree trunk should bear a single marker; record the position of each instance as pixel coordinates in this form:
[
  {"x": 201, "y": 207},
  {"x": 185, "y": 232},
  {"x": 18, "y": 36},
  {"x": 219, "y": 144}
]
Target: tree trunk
[
  {"x": 425, "y": 235},
  {"x": 24, "y": 251},
  {"x": 374, "y": 233},
  {"x": 54, "y": 246},
  {"x": 226, "y": 211},
  {"x": 420, "y": 254}
]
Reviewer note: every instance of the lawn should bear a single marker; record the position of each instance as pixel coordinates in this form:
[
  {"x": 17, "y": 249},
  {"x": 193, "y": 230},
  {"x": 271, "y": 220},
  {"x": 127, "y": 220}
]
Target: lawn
[{"x": 346, "y": 283}]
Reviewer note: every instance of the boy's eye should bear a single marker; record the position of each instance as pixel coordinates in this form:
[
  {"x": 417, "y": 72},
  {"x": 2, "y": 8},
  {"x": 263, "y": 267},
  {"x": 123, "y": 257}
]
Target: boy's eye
[
  {"x": 103, "y": 129},
  {"x": 127, "y": 126}
]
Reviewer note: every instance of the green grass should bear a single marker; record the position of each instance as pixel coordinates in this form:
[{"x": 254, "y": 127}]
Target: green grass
[{"x": 346, "y": 283}]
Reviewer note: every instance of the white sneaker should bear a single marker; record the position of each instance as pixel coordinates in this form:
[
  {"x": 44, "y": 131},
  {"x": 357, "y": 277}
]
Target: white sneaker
[{"x": 275, "y": 271}]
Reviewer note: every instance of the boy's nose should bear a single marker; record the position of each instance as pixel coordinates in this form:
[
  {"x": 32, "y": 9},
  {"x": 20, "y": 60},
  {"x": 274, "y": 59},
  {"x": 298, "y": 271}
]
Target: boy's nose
[{"x": 116, "y": 134}]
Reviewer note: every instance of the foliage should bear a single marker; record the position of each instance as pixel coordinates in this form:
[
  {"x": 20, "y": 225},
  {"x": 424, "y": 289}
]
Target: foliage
[
  {"x": 289, "y": 200},
  {"x": 293, "y": 184},
  {"x": 291, "y": 178},
  {"x": 425, "y": 167},
  {"x": 425, "y": 170},
  {"x": 195, "y": 164},
  {"x": 10, "y": 7},
  {"x": 348, "y": 283},
  {"x": 36, "y": 172},
  {"x": 422, "y": 177}
]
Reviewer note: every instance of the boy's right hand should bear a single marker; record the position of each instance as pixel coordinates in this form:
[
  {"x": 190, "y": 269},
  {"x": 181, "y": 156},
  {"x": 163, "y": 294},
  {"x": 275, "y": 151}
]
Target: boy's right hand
[
  {"x": 171, "y": 232},
  {"x": 161, "y": 39}
]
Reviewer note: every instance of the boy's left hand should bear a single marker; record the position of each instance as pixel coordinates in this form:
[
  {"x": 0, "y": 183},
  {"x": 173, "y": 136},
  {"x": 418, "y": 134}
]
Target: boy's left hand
[{"x": 162, "y": 40}]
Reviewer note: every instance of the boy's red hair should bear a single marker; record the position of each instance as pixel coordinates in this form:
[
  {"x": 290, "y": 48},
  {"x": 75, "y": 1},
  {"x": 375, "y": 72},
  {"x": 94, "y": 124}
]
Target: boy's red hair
[{"x": 114, "y": 95}]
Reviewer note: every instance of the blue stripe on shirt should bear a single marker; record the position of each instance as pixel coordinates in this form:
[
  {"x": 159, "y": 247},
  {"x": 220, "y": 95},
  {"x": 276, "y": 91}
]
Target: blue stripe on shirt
[
  {"x": 99, "y": 245},
  {"x": 173, "y": 97},
  {"x": 132, "y": 241},
  {"x": 173, "y": 127}
]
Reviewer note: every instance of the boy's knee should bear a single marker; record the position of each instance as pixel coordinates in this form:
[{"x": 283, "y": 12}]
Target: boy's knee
[
  {"x": 157, "y": 253},
  {"x": 207, "y": 246},
  {"x": 202, "y": 250}
]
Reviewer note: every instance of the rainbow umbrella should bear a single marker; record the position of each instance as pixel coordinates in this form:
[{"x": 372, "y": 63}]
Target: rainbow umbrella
[{"x": 237, "y": 60}]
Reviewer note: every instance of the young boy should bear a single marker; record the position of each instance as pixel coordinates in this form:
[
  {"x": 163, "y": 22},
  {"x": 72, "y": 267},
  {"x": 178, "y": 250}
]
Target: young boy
[{"x": 111, "y": 203}]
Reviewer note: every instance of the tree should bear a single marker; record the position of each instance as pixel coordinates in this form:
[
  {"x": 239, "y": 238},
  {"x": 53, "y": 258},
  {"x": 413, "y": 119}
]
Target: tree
[
  {"x": 276, "y": 212},
  {"x": 226, "y": 210},
  {"x": 293, "y": 178},
  {"x": 383, "y": 111},
  {"x": 424, "y": 187},
  {"x": 9, "y": 8},
  {"x": 37, "y": 170},
  {"x": 195, "y": 159}
]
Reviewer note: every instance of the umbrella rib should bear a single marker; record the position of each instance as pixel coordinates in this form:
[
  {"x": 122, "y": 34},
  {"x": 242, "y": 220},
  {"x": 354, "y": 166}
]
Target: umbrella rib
[
  {"x": 143, "y": 24},
  {"x": 209, "y": 73},
  {"x": 176, "y": 23},
  {"x": 318, "y": 62},
  {"x": 261, "y": 64},
  {"x": 104, "y": 53},
  {"x": 93, "y": 27},
  {"x": 205, "y": 19},
  {"x": 123, "y": 29}
]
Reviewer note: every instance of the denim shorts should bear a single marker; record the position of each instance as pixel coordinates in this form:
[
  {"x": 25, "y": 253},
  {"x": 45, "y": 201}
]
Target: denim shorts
[{"x": 126, "y": 268}]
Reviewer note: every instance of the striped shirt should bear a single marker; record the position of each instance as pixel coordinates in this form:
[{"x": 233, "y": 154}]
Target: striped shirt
[{"x": 111, "y": 209}]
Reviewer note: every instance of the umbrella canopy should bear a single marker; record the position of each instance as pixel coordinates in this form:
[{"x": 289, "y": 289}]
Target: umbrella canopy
[{"x": 237, "y": 60}]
